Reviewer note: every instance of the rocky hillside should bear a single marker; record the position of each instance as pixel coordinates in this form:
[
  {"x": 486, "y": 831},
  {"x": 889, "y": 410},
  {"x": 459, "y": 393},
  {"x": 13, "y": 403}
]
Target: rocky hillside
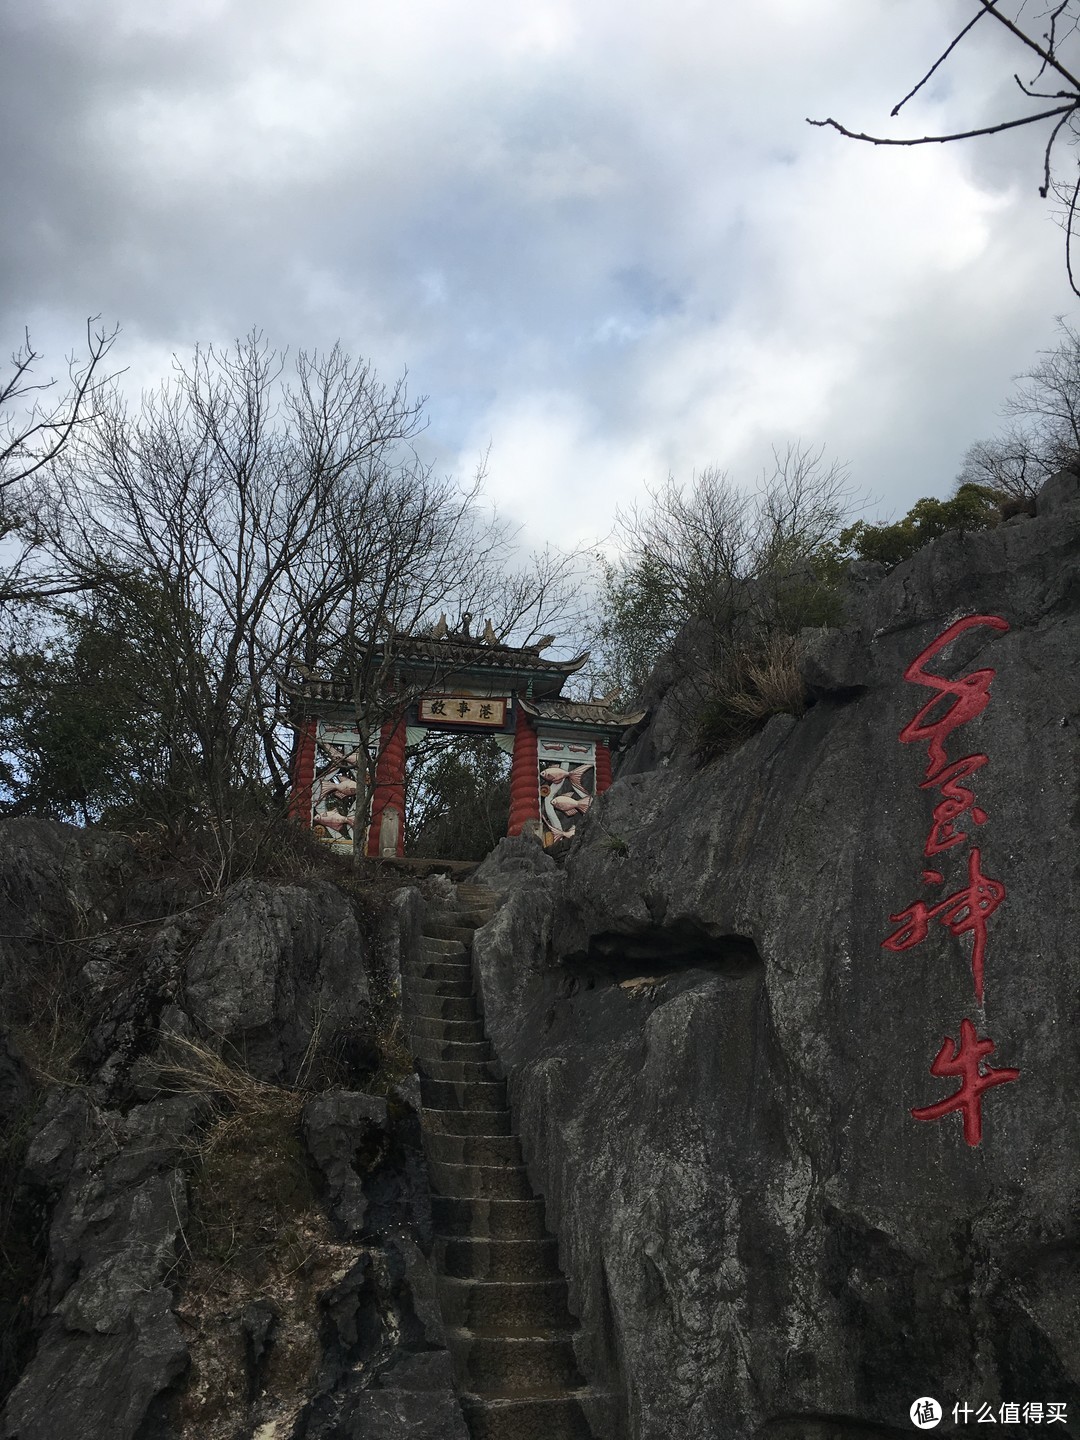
[
  {"x": 215, "y": 1212},
  {"x": 792, "y": 1036},
  {"x": 790, "y": 1039}
]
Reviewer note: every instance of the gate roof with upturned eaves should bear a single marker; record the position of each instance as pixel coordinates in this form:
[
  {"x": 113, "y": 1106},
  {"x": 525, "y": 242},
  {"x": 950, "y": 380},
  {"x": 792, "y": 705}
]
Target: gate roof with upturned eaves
[{"x": 453, "y": 661}]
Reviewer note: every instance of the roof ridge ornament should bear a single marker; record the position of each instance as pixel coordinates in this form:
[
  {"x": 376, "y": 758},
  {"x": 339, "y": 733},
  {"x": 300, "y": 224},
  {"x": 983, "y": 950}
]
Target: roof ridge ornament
[{"x": 542, "y": 644}]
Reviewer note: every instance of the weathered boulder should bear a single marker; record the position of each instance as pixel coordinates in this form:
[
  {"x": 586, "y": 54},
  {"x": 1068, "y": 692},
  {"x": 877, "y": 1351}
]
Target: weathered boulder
[
  {"x": 714, "y": 1061},
  {"x": 367, "y": 1150},
  {"x": 279, "y": 974},
  {"x": 110, "y": 1343},
  {"x": 385, "y": 1374},
  {"x": 187, "y": 1039},
  {"x": 52, "y": 878}
]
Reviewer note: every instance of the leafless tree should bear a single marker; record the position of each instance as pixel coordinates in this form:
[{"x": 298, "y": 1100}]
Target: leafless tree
[
  {"x": 207, "y": 497},
  {"x": 710, "y": 544},
  {"x": 1008, "y": 463},
  {"x": 1046, "y": 38},
  {"x": 719, "y": 579},
  {"x": 1045, "y": 434},
  {"x": 35, "y": 425},
  {"x": 260, "y": 522},
  {"x": 404, "y": 547}
]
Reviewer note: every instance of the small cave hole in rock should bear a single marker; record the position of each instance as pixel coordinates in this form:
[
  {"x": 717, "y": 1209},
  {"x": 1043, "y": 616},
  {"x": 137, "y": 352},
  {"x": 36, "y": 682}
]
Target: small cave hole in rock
[{"x": 664, "y": 949}]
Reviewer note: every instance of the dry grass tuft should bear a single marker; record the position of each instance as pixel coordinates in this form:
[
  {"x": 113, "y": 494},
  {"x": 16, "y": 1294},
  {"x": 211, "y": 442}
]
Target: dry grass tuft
[
  {"x": 754, "y": 686},
  {"x": 772, "y": 684}
]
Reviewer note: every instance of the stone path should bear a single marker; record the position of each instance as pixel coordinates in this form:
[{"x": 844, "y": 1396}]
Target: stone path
[{"x": 502, "y": 1294}]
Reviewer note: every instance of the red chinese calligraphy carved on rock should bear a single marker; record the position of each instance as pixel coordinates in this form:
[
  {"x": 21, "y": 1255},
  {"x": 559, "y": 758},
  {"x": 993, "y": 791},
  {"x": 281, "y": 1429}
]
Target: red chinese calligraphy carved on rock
[
  {"x": 965, "y": 912},
  {"x": 965, "y": 1062},
  {"x": 968, "y": 909},
  {"x": 970, "y": 693}
]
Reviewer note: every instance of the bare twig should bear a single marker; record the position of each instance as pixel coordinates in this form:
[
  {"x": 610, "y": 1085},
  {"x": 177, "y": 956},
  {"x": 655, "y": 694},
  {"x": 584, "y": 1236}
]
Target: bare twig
[
  {"x": 945, "y": 139},
  {"x": 937, "y": 63},
  {"x": 1046, "y": 54},
  {"x": 1069, "y": 222},
  {"x": 1044, "y": 188}
]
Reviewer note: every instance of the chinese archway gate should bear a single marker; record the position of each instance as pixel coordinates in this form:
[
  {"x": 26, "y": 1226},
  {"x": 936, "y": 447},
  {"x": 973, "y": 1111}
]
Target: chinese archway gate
[{"x": 560, "y": 748}]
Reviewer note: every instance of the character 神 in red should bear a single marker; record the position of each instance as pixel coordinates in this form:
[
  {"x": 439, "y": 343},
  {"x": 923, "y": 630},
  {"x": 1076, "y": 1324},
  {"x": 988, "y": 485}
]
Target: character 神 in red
[
  {"x": 965, "y": 1061},
  {"x": 967, "y": 911}
]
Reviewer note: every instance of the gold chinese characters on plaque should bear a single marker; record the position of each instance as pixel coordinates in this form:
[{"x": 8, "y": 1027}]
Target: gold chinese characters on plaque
[{"x": 463, "y": 710}]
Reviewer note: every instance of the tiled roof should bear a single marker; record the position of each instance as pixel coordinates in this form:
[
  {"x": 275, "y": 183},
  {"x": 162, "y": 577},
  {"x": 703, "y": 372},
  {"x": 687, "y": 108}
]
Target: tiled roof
[
  {"x": 449, "y": 655},
  {"x": 580, "y": 712},
  {"x": 457, "y": 652}
]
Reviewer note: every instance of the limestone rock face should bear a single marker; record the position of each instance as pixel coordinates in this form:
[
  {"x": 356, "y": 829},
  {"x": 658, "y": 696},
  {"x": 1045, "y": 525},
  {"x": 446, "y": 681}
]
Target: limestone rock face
[
  {"x": 278, "y": 967},
  {"x": 200, "y": 1075},
  {"x": 110, "y": 1342},
  {"x": 52, "y": 876},
  {"x": 714, "y": 1061}
]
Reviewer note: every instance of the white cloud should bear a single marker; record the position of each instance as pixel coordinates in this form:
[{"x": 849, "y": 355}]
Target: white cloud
[{"x": 602, "y": 236}]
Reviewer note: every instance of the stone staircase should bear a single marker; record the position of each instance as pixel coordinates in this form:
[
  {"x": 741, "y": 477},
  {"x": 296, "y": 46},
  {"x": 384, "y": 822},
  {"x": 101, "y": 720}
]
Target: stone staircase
[{"x": 502, "y": 1294}]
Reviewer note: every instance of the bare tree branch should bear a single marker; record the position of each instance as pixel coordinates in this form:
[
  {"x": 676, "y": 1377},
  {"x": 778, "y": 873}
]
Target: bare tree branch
[
  {"x": 1047, "y": 55},
  {"x": 1048, "y": 52},
  {"x": 937, "y": 63},
  {"x": 957, "y": 135}
]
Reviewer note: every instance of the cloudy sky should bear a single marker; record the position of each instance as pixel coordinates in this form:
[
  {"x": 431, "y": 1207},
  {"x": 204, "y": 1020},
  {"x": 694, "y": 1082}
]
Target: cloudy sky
[{"x": 600, "y": 235}]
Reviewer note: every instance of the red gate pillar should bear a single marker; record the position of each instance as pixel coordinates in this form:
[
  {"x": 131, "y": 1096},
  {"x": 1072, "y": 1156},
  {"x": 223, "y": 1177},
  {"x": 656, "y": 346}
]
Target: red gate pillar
[
  {"x": 386, "y": 834},
  {"x": 524, "y": 777},
  {"x": 303, "y": 776},
  {"x": 603, "y": 766}
]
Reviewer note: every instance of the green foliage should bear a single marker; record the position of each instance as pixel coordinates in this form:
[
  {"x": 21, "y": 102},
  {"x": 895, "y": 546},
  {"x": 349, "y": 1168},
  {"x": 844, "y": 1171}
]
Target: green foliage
[
  {"x": 92, "y": 727},
  {"x": 973, "y": 507},
  {"x": 745, "y": 562},
  {"x": 639, "y": 614},
  {"x": 458, "y": 798},
  {"x": 81, "y": 713}
]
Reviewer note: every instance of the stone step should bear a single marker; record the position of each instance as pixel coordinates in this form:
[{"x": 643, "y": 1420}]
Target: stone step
[
  {"x": 426, "y": 1049},
  {"x": 463, "y": 1094},
  {"x": 464, "y": 1257},
  {"x": 518, "y": 1307},
  {"x": 479, "y": 1182},
  {"x": 488, "y": 1219},
  {"x": 420, "y": 985},
  {"x": 513, "y": 1365},
  {"x": 473, "y": 1149},
  {"x": 466, "y": 1122},
  {"x": 467, "y": 890},
  {"x": 458, "y": 1070},
  {"x": 420, "y": 1029},
  {"x": 437, "y": 970},
  {"x": 503, "y": 1298},
  {"x": 443, "y": 1007},
  {"x": 473, "y": 916},
  {"x": 444, "y": 930},
  {"x": 434, "y": 946},
  {"x": 531, "y": 1417}
]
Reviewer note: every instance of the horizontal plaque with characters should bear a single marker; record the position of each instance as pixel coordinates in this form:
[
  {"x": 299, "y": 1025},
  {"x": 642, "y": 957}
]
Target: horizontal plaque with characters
[{"x": 463, "y": 710}]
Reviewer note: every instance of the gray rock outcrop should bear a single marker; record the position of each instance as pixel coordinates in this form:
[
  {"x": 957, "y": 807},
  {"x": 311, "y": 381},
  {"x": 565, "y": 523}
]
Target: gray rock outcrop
[
  {"x": 215, "y": 1061},
  {"x": 276, "y": 973},
  {"x": 714, "y": 1061}
]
